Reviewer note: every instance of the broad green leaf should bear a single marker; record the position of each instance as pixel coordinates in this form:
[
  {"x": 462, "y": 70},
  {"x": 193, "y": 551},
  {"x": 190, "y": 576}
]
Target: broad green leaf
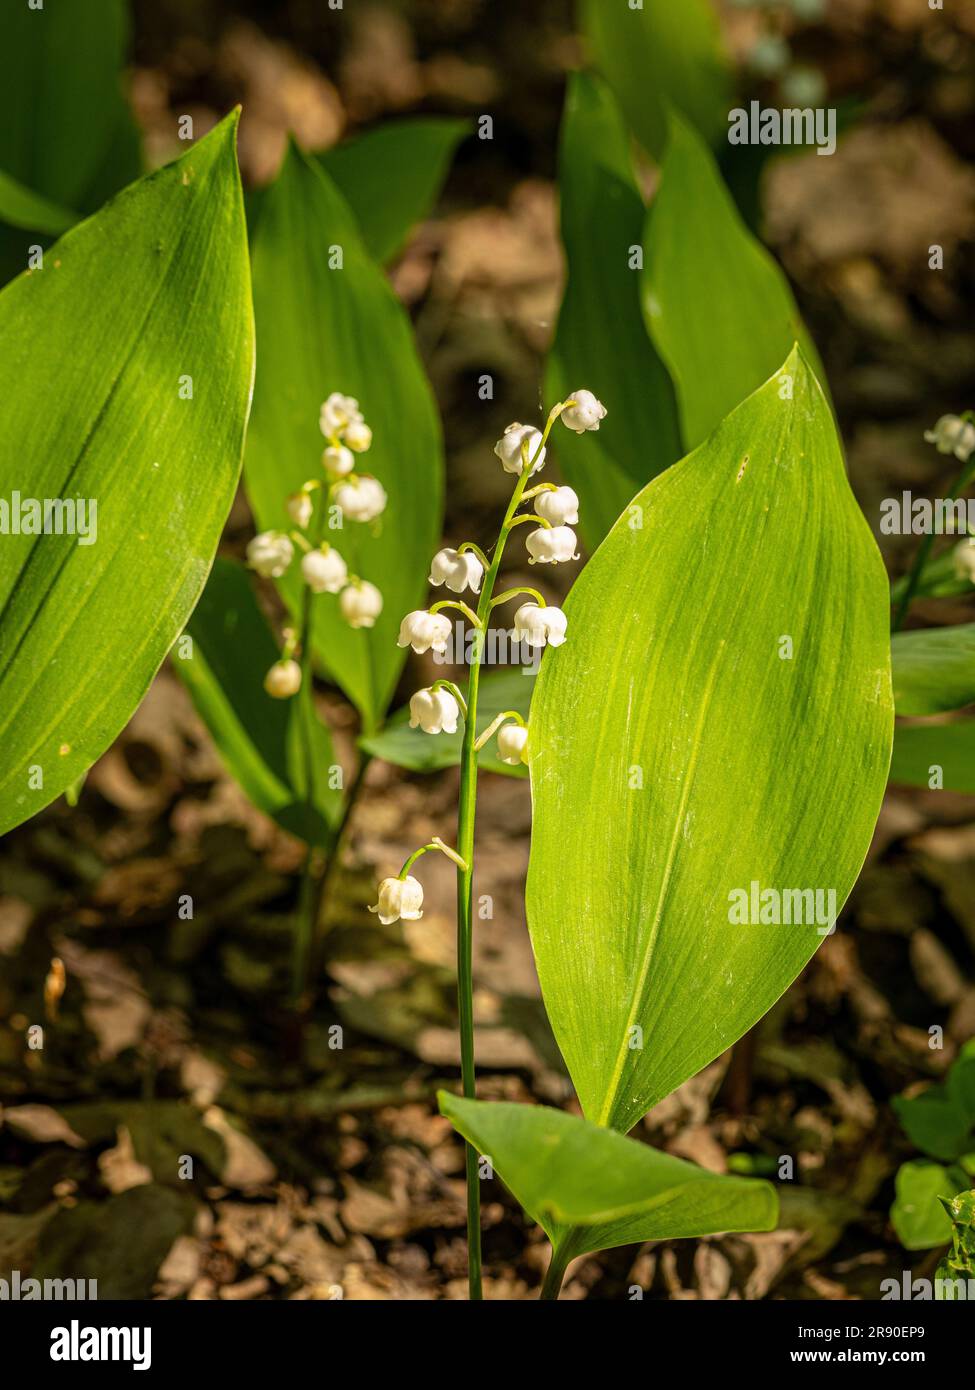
[
  {"x": 392, "y": 175},
  {"x": 568, "y": 1173},
  {"x": 662, "y": 54},
  {"x": 718, "y": 307},
  {"x": 142, "y": 297},
  {"x": 601, "y": 342},
  {"x": 411, "y": 748},
  {"x": 61, "y": 103},
  {"x": 719, "y": 716},
  {"x": 923, "y": 753},
  {"x": 918, "y": 1217},
  {"x": 960, "y": 1085},
  {"x": 258, "y": 738},
  {"x": 934, "y": 1123},
  {"x": 324, "y": 328},
  {"x": 20, "y": 207},
  {"x": 934, "y": 669}
]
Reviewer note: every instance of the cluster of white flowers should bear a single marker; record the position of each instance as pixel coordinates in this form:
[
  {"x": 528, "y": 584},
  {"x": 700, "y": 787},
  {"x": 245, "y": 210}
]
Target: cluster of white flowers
[
  {"x": 953, "y": 434},
  {"x": 436, "y": 709},
  {"x": 359, "y": 497}
]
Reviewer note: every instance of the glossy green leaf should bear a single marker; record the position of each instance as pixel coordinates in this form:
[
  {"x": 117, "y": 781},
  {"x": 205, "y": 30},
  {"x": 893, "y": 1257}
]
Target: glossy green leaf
[
  {"x": 934, "y": 669},
  {"x": 61, "y": 103},
  {"x": 601, "y": 342},
  {"x": 568, "y": 1173},
  {"x": 662, "y": 54},
  {"x": 147, "y": 294},
  {"x": 258, "y": 738},
  {"x": 419, "y": 752},
  {"x": 682, "y": 750},
  {"x": 21, "y": 207},
  {"x": 324, "y": 328},
  {"x": 391, "y": 176},
  {"x": 918, "y": 1217},
  {"x": 718, "y": 307},
  {"x": 925, "y": 753},
  {"x": 934, "y": 1122}
]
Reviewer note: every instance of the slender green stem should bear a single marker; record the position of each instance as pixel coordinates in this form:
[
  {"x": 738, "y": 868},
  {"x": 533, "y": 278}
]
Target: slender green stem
[
  {"x": 923, "y": 551},
  {"x": 513, "y": 593},
  {"x": 562, "y": 1256},
  {"x": 461, "y": 607},
  {"x": 465, "y": 848},
  {"x": 530, "y": 516}
]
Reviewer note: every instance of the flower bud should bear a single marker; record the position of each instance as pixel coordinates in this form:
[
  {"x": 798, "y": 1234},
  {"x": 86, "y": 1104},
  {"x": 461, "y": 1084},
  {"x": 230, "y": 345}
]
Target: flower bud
[
  {"x": 399, "y": 898},
  {"x": 283, "y": 679},
  {"x": 559, "y": 507},
  {"x": 512, "y": 743},
  {"x": 434, "y": 711},
  {"x": 551, "y": 547},
  {"x": 299, "y": 507},
  {"x": 953, "y": 435},
  {"x": 270, "y": 554},
  {"x": 361, "y": 604},
  {"x": 358, "y": 436},
  {"x": 338, "y": 461},
  {"x": 535, "y": 626},
  {"x": 963, "y": 559},
  {"x": 585, "y": 413},
  {"x": 508, "y": 448},
  {"x": 362, "y": 499},
  {"x": 324, "y": 571},
  {"x": 337, "y": 413},
  {"x": 424, "y": 631},
  {"x": 457, "y": 571}
]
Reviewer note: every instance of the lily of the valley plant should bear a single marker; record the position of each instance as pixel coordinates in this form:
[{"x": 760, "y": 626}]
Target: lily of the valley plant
[{"x": 436, "y": 710}]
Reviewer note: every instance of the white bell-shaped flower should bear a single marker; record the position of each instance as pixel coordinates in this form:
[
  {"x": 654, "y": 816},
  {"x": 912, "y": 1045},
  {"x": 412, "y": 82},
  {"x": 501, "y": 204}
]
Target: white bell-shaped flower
[
  {"x": 270, "y": 554},
  {"x": 585, "y": 413},
  {"x": 560, "y": 507},
  {"x": 434, "y": 711},
  {"x": 299, "y": 507},
  {"x": 358, "y": 436},
  {"x": 551, "y": 546},
  {"x": 457, "y": 571},
  {"x": 361, "y": 499},
  {"x": 508, "y": 448},
  {"x": 536, "y": 626},
  {"x": 361, "y": 604},
  {"x": 424, "y": 631},
  {"x": 953, "y": 435},
  {"x": 324, "y": 571},
  {"x": 337, "y": 413},
  {"x": 963, "y": 560},
  {"x": 283, "y": 679},
  {"x": 399, "y": 898},
  {"x": 338, "y": 461},
  {"x": 512, "y": 743}
]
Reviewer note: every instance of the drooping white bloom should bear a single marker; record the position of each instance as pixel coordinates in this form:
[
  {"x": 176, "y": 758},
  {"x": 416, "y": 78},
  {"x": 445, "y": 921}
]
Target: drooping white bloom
[
  {"x": 337, "y": 413},
  {"x": 535, "y": 626},
  {"x": 424, "y": 631},
  {"x": 283, "y": 679},
  {"x": 455, "y": 570},
  {"x": 585, "y": 414},
  {"x": 508, "y": 447},
  {"x": 361, "y": 604},
  {"x": 361, "y": 499},
  {"x": 434, "y": 711},
  {"x": 324, "y": 570},
  {"x": 559, "y": 507},
  {"x": 399, "y": 898},
  {"x": 338, "y": 461},
  {"x": 963, "y": 558},
  {"x": 552, "y": 546},
  {"x": 953, "y": 435},
  {"x": 358, "y": 436},
  {"x": 299, "y": 509},
  {"x": 270, "y": 553},
  {"x": 512, "y": 743}
]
